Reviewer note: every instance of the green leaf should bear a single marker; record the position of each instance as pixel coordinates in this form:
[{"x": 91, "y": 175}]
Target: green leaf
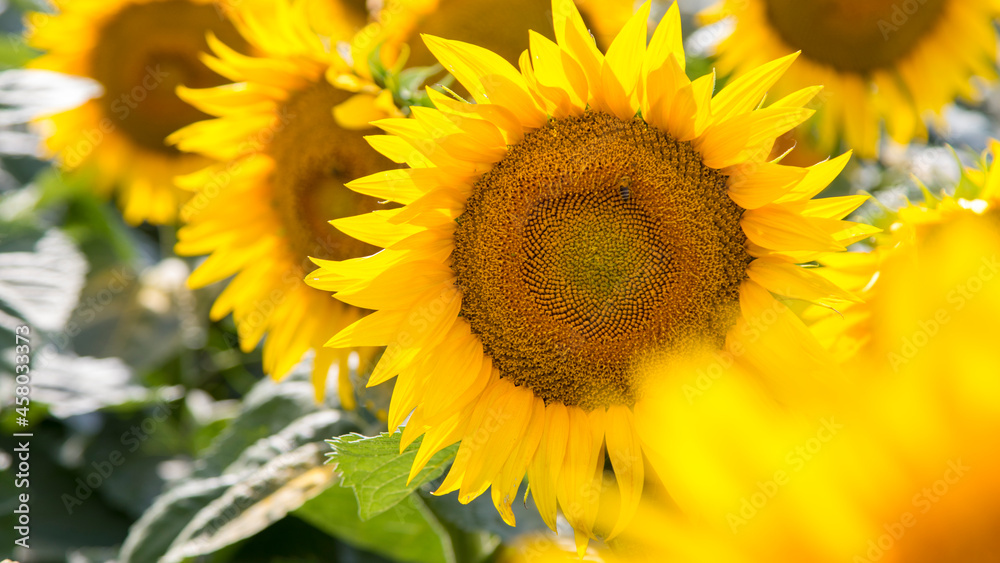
[
  {"x": 41, "y": 275},
  {"x": 411, "y": 80},
  {"x": 377, "y": 472},
  {"x": 95, "y": 224},
  {"x": 700, "y": 66},
  {"x": 109, "y": 384},
  {"x": 966, "y": 188},
  {"x": 268, "y": 409},
  {"x": 260, "y": 499},
  {"x": 266, "y": 463},
  {"x": 378, "y": 70},
  {"x": 409, "y": 532},
  {"x": 14, "y": 53},
  {"x": 151, "y": 536}
]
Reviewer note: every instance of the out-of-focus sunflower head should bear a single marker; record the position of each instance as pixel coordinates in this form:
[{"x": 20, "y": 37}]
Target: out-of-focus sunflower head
[
  {"x": 139, "y": 51},
  {"x": 977, "y": 193},
  {"x": 959, "y": 234},
  {"x": 880, "y": 328},
  {"x": 498, "y": 25},
  {"x": 901, "y": 468},
  {"x": 590, "y": 214},
  {"x": 887, "y": 62},
  {"x": 288, "y": 133}
]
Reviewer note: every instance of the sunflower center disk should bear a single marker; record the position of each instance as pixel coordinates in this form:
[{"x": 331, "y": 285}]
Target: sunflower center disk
[
  {"x": 144, "y": 53},
  {"x": 314, "y": 157},
  {"x": 594, "y": 263},
  {"x": 597, "y": 244},
  {"x": 857, "y": 36}
]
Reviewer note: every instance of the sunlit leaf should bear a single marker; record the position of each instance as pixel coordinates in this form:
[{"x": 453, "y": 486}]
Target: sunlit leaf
[
  {"x": 377, "y": 472},
  {"x": 408, "y": 532}
]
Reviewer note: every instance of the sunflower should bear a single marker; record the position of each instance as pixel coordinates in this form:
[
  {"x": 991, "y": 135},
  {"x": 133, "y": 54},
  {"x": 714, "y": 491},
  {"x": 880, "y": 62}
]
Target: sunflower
[
  {"x": 289, "y": 133},
  {"x": 589, "y": 214},
  {"x": 900, "y": 469},
  {"x": 852, "y": 332},
  {"x": 139, "y": 51},
  {"x": 895, "y": 61},
  {"x": 904, "y": 469},
  {"x": 904, "y": 472},
  {"x": 499, "y": 25},
  {"x": 977, "y": 193}
]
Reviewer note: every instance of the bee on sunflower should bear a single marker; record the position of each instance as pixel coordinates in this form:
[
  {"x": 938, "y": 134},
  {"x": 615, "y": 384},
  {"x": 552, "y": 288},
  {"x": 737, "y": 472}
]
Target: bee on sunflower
[
  {"x": 901, "y": 468},
  {"x": 521, "y": 292}
]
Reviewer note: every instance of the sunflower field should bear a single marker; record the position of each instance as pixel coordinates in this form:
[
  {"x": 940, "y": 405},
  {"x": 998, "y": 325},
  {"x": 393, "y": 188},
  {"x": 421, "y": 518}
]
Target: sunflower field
[{"x": 511, "y": 281}]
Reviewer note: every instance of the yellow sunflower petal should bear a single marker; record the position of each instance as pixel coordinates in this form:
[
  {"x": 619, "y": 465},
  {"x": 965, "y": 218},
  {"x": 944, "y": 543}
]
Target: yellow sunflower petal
[
  {"x": 747, "y": 91},
  {"x": 796, "y": 282},
  {"x": 488, "y": 77},
  {"x": 756, "y": 184},
  {"x": 625, "y": 451},
  {"x": 552, "y": 236},
  {"x": 546, "y": 467},
  {"x": 623, "y": 65},
  {"x": 777, "y": 228}
]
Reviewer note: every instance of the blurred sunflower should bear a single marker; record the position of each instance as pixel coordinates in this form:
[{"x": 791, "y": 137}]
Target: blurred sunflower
[
  {"x": 139, "y": 51},
  {"x": 901, "y": 469},
  {"x": 498, "y": 25},
  {"x": 978, "y": 193},
  {"x": 588, "y": 214},
  {"x": 289, "y": 133},
  {"x": 852, "y": 333},
  {"x": 880, "y": 60}
]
